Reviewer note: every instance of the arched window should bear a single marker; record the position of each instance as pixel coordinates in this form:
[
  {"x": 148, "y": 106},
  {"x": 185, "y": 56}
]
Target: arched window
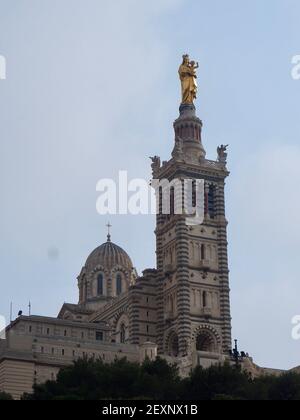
[
  {"x": 211, "y": 201},
  {"x": 172, "y": 201},
  {"x": 160, "y": 200},
  {"x": 119, "y": 284},
  {"x": 194, "y": 194},
  {"x": 202, "y": 252},
  {"x": 205, "y": 342},
  {"x": 204, "y": 299},
  {"x": 100, "y": 285},
  {"x": 174, "y": 346},
  {"x": 122, "y": 334}
]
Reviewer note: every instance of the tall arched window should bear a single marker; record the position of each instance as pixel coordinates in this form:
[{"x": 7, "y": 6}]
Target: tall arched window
[
  {"x": 122, "y": 334},
  {"x": 202, "y": 252},
  {"x": 194, "y": 194},
  {"x": 119, "y": 284},
  {"x": 160, "y": 200},
  {"x": 211, "y": 201},
  {"x": 100, "y": 285},
  {"x": 204, "y": 298},
  {"x": 172, "y": 201}
]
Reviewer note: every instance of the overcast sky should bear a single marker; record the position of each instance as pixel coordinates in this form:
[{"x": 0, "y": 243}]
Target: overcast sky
[{"x": 92, "y": 88}]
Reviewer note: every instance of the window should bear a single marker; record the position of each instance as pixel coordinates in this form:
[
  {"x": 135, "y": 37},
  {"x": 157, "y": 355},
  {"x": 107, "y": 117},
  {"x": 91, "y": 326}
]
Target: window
[
  {"x": 160, "y": 200},
  {"x": 119, "y": 284},
  {"x": 48, "y": 331},
  {"x": 172, "y": 201},
  {"x": 30, "y": 328},
  {"x": 52, "y": 351},
  {"x": 122, "y": 334},
  {"x": 204, "y": 296},
  {"x": 202, "y": 252},
  {"x": 194, "y": 194},
  {"x": 42, "y": 350},
  {"x": 65, "y": 333},
  {"x": 99, "y": 336},
  {"x": 100, "y": 285},
  {"x": 211, "y": 201},
  {"x": 63, "y": 352}
]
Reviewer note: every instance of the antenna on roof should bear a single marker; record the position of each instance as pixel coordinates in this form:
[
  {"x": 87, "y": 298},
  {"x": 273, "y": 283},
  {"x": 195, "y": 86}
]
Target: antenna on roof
[
  {"x": 11, "y": 312},
  {"x": 29, "y": 308}
]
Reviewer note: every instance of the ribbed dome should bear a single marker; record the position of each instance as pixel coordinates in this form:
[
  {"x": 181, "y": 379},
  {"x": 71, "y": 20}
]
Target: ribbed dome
[{"x": 109, "y": 255}]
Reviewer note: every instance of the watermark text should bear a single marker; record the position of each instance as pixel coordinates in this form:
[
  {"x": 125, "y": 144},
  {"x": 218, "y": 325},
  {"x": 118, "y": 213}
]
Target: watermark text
[
  {"x": 2, "y": 67},
  {"x": 160, "y": 196},
  {"x": 296, "y": 67},
  {"x": 2, "y": 327},
  {"x": 296, "y": 328}
]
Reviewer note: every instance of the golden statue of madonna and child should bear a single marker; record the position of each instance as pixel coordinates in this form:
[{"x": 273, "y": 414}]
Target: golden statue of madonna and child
[{"x": 188, "y": 78}]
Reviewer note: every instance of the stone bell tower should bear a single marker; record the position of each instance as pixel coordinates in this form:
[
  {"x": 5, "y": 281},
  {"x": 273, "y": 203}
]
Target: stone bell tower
[{"x": 193, "y": 284}]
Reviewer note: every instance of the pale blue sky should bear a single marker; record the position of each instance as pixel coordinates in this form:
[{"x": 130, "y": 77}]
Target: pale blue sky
[{"x": 92, "y": 88}]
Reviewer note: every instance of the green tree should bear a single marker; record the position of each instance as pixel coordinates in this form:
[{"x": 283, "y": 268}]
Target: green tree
[
  {"x": 217, "y": 382},
  {"x": 5, "y": 397},
  {"x": 157, "y": 380}
]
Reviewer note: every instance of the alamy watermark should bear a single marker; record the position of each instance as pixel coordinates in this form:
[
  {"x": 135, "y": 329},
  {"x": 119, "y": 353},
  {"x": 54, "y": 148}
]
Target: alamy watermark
[
  {"x": 296, "y": 67},
  {"x": 296, "y": 327},
  {"x": 2, "y": 327},
  {"x": 139, "y": 197},
  {"x": 2, "y": 67}
]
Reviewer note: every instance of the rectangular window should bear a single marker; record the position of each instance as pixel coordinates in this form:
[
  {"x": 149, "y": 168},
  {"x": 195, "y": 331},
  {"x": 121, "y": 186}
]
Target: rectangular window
[{"x": 99, "y": 336}]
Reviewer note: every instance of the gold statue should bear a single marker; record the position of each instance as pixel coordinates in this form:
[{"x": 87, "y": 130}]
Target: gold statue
[{"x": 188, "y": 77}]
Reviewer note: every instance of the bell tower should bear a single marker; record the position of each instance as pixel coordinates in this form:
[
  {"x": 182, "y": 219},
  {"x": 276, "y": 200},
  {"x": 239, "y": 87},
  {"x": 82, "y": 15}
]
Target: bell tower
[{"x": 193, "y": 277}]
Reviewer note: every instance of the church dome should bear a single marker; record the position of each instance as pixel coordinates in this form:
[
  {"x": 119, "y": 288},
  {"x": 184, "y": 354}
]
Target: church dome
[
  {"x": 109, "y": 255},
  {"x": 107, "y": 274}
]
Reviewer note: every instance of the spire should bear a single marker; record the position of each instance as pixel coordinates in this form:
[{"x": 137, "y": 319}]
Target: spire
[{"x": 108, "y": 234}]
